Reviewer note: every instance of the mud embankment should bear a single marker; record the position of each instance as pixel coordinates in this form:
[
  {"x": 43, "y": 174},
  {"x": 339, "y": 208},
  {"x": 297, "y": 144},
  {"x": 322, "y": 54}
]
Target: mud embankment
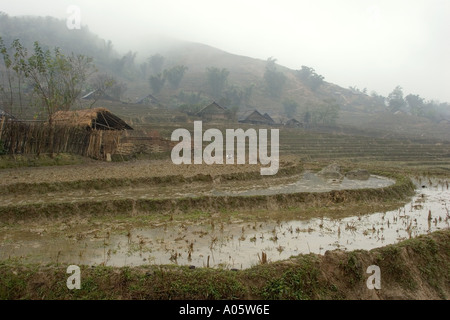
[
  {"x": 118, "y": 175},
  {"x": 402, "y": 189},
  {"x": 413, "y": 269}
]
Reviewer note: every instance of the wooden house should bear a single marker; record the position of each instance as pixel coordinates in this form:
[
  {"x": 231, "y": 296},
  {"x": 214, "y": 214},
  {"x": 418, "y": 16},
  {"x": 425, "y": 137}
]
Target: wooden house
[
  {"x": 98, "y": 95},
  {"x": 269, "y": 118},
  {"x": 148, "y": 100},
  {"x": 293, "y": 123},
  {"x": 213, "y": 112},
  {"x": 97, "y": 118},
  {"x": 255, "y": 117}
]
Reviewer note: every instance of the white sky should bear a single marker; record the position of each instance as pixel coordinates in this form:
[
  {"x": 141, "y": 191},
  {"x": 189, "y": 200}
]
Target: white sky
[{"x": 377, "y": 44}]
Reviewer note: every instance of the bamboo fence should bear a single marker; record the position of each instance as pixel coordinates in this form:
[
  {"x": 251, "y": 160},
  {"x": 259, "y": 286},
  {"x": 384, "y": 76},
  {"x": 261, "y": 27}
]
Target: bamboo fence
[{"x": 34, "y": 138}]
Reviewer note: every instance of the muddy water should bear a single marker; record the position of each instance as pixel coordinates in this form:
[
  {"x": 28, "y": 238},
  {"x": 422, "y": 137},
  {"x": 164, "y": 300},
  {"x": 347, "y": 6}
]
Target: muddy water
[
  {"x": 307, "y": 182},
  {"x": 238, "y": 244}
]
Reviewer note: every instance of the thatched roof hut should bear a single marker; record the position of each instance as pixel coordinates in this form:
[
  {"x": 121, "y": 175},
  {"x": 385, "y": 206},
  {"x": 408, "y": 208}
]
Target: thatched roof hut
[
  {"x": 269, "y": 118},
  {"x": 214, "y": 112},
  {"x": 293, "y": 123},
  {"x": 98, "y": 118},
  {"x": 148, "y": 99}
]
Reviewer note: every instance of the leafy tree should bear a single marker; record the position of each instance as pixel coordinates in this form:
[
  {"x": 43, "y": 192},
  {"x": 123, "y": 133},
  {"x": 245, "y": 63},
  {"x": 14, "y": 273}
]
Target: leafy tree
[
  {"x": 190, "y": 109},
  {"x": 175, "y": 75},
  {"x": 395, "y": 99},
  {"x": 310, "y": 77},
  {"x": 156, "y": 63},
  {"x": 192, "y": 98},
  {"x": 6, "y": 87},
  {"x": 331, "y": 113},
  {"x": 143, "y": 68},
  {"x": 378, "y": 98},
  {"x": 275, "y": 80},
  {"x": 125, "y": 66},
  {"x": 12, "y": 77},
  {"x": 217, "y": 80},
  {"x": 157, "y": 83},
  {"x": 57, "y": 80},
  {"x": 415, "y": 104},
  {"x": 307, "y": 117},
  {"x": 290, "y": 107},
  {"x": 325, "y": 113},
  {"x": 233, "y": 112},
  {"x": 107, "y": 84}
]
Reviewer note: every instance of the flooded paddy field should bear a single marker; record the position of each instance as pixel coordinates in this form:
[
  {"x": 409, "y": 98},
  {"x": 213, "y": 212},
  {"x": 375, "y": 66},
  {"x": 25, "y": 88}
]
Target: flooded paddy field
[
  {"x": 233, "y": 243},
  {"x": 307, "y": 182}
]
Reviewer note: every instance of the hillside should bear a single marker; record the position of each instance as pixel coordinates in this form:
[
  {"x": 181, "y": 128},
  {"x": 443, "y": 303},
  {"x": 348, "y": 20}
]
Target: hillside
[
  {"x": 249, "y": 72},
  {"x": 245, "y": 87}
]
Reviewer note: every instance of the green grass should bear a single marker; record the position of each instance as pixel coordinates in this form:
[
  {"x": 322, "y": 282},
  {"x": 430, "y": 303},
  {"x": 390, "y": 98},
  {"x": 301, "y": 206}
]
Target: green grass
[
  {"x": 18, "y": 161},
  {"x": 337, "y": 275}
]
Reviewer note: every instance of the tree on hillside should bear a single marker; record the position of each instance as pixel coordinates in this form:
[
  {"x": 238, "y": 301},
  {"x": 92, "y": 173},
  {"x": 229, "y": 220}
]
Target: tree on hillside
[
  {"x": 175, "y": 75},
  {"x": 325, "y": 113},
  {"x": 290, "y": 107},
  {"x": 378, "y": 98},
  {"x": 157, "y": 83},
  {"x": 307, "y": 118},
  {"x": 156, "y": 63},
  {"x": 143, "y": 68},
  {"x": 237, "y": 96},
  {"x": 309, "y": 77},
  {"x": 107, "y": 84},
  {"x": 125, "y": 66},
  {"x": 190, "y": 98},
  {"x": 395, "y": 99},
  {"x": 415, "y": 104},
  {"x": 216, "y": 80},
  {"x": 275, "y": 80}
]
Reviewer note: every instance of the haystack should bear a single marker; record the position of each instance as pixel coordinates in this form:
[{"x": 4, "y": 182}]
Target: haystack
[{"x": 98, "y": 118}]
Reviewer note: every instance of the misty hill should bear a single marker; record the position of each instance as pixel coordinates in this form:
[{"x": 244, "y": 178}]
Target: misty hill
[
  {"x": 246, "y": 86},
  {"x": 246, "y": 72}
]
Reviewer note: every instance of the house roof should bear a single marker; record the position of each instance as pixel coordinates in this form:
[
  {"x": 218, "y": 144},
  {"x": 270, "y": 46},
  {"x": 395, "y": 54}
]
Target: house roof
[
  {"x": 150, "y": 98},
  {"x": 266, "y": 115},
  {"x": 99, "y": 94},
  {"x": 255, "y": 116},
  {"x": 213, "y": 108},
  {"x": 98, "y": 118}
]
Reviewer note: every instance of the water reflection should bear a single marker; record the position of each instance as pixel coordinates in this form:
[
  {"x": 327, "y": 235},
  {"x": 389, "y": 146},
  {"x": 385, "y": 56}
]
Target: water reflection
[{"x": 241, "y": 244}]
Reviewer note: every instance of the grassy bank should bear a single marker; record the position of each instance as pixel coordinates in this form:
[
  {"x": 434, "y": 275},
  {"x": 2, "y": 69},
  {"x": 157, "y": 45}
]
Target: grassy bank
[
  {"x": 43, "y": 160},
  {"x": 418, "y": 268}
]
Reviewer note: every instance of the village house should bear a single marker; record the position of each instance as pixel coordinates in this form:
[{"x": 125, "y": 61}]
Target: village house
[
  {"x": 148, "y": 100},
  {"x": 255, "y": 117},
  {"x": 98, "y": 95},
  {"x": 294, "y": 123},
  {"x": 97, "y": 119},
  {"x": 106, "y": 130},
  {"x": 213, "y": 112}
]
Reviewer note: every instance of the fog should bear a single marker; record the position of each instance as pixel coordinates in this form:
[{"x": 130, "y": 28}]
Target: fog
[{"x": 368, "y": 44}]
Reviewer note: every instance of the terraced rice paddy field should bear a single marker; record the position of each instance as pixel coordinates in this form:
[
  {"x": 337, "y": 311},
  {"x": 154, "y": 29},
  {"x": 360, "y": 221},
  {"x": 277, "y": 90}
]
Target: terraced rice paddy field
[{"x": 147, "y": 228}]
